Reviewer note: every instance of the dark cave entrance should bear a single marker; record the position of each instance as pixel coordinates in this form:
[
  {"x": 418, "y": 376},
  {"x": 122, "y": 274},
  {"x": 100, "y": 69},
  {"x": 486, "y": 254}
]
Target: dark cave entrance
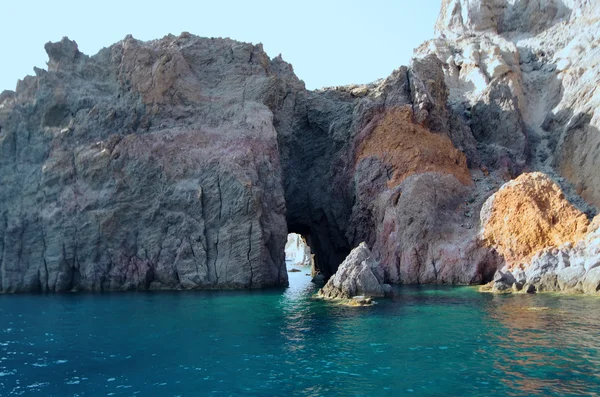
[{"x": 327, "y": 251}]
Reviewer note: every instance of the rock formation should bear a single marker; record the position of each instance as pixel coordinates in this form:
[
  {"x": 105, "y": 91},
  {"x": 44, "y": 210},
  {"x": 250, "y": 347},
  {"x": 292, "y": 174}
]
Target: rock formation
[
  {"x": 570, "y": 268},
  {"x": 547, "y": 243},
  {"x": 358, "y": 275},
  {"x": 149, "y": 165},
  {"x": 527, "y": 215},
  {"x": 184, "y": 162},
  {"x": 523, "y": 75}
]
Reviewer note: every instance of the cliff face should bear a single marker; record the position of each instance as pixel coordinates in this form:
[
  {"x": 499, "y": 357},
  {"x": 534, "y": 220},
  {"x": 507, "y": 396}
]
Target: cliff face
[
  {"x": 183, "y": 162},
  {"x": 524, "y": 74},
  {"x": 148, "y": 165}
]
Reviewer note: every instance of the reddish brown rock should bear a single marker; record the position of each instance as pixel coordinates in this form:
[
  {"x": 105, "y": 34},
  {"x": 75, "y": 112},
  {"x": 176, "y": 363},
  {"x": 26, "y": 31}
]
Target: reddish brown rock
[
  {"x": 527, "y": 215},
  {"x": 407, "y": 148}
]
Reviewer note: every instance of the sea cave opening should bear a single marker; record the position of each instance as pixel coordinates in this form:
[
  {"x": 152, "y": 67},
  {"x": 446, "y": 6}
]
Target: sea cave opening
[
  {"x": 300, "y": 265},
  {"x": 298, "y": 255},
  {"x": 321, "y": 250}
]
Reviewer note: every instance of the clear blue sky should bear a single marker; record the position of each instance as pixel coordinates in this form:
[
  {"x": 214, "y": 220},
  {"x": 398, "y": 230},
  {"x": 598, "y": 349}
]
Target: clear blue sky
[{"x": 328, "y": 42}]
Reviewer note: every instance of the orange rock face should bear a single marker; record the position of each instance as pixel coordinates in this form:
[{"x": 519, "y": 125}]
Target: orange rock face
[
  {"x": 409, "y": 148},
  {"x": 527, "y": 215}
]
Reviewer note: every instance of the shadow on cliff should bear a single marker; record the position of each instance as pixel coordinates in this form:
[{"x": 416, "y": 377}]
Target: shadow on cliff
[
  {"x": 515, "y": 137},
  {"x": 310, "y": 145}
]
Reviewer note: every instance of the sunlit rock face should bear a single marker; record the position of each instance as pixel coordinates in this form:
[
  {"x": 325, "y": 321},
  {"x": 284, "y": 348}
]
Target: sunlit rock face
[
  {"x": 547, "y": 243},
  {"x": 151, "y": 165},
  {"x": 527, "y": 215},
  {"x": 184, "y": 162},
  {"x": 523, "y": 74},
  {"x": 358, "y": 275}
]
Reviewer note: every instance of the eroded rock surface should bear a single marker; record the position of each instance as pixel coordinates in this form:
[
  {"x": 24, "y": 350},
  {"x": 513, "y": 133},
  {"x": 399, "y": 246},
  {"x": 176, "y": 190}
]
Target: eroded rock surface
[
  {"x": 149, "y": 165},
  {"x": 359, "y": 275},
  {"x": 527, "y": 215},
  {"x": 570, "y": 268},
  {"x": 183, "y": 162},
  {"x": 524, "y": 74},
  {"x": 548, "y": 244}
]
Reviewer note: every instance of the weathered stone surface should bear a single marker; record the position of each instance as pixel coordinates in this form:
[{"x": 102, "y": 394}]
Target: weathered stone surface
[
  {"x": 345, "y": 157},
  {"x": 527, "y": 215},
  {"x": 424, "y": 236},
  {"x": 358, "y": 275},
  {"x": 147, "y": 166},
  {"x": 183, "y": 162},
  {"x": 591, "y": 281},
  {"x": 406, "y": 148},
  {"x": 523, "y": 75},
  {"x": 571, "y": 268}
]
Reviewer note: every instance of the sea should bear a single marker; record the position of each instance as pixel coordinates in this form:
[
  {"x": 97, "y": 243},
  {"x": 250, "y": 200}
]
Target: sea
[{"x": 425, "y": 341}]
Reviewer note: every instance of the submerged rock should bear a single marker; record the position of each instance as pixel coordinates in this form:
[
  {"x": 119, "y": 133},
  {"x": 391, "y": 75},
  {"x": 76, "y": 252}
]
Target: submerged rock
[
  {"x": 358, "y": 275},
  {"x": 360, "y": 300}
]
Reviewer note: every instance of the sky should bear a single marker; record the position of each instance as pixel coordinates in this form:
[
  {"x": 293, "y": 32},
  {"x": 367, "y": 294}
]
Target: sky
[{"x": 328, "y": 42}]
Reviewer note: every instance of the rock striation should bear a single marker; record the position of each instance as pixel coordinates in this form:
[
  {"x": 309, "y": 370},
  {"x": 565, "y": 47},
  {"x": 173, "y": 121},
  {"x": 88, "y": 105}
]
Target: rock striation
[
  {"x": 184, "y": 162},
  {"x": 147, "y": 166}
]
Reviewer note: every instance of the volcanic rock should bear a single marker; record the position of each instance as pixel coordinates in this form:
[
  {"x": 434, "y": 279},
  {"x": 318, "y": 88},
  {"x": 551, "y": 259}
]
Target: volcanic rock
[
  {"x": 527, "y": 215},
  {"x": 150, "y": 165},
  {"x": 358, "y": 275},
  {"x": 184, "y": 162},
  {"x": 548, "y": 245}
]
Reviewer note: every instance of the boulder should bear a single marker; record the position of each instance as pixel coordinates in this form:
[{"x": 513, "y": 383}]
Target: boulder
[
  {"x": 358, "y": 275},
  {"x": 591, "y": 281},
  {"x": 569, "y": 278}
]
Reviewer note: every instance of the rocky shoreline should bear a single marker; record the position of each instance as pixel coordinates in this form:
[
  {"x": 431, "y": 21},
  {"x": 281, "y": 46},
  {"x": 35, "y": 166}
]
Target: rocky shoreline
[{"x": 184, "y": 162}]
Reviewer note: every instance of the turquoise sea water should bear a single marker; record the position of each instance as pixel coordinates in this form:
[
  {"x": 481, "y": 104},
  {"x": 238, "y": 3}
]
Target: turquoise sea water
[{"x": 429, "y": 341}]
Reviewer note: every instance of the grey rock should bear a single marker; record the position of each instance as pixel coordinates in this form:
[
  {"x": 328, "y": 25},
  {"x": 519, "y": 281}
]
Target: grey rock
[
  {"x": 591, "y": 282},
  {"x": 459, "y": 17},
  {"x": 570, "y": 268},
  {"x": 568, "y": 278},
  {"x": 183, "y": 162},
  {"x": 318, "y": 279},
  {"x": 529, "y": 288},
  {"x": 359, "y": 274},
  {"x": 497, "y": 122},
  {"x": 541, "y": 265},
  {"x": 503, "y": 282},
  {"x": 113, "y": 179},
  {"x": 420, "y": 234}
]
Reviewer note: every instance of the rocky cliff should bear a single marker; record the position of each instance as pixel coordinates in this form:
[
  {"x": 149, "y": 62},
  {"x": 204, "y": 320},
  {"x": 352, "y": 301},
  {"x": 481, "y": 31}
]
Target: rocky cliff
[
  {"x": 184, "y": 162},
  {"x": 148, "y": 165}
]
